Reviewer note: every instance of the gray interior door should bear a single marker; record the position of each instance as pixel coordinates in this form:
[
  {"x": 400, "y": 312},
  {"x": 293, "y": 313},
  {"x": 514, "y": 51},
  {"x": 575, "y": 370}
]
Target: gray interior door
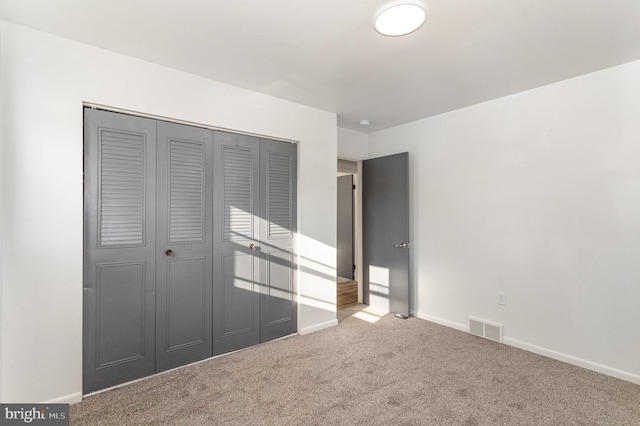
[
  {"x": 119, "y": 249},
  {"x": 345, "y": 227},
  {"x": 236, "y": 279},
  {"x": 184, "y": 245},
  {"x": 278, "y": 307},
  {"x": 385, "y": 206}
]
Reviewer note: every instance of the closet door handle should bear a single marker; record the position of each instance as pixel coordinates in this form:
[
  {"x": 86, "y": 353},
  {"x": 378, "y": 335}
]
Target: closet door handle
[
  {"x": 168, "y": 252},
  {"x": 252, "y": 246}
]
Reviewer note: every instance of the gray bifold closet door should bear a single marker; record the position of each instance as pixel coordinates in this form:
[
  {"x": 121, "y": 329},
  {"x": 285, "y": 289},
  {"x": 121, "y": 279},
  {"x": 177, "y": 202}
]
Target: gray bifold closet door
[
  {"x": 254, "y": 236},
  {"x": 119, "y": 249},
  {"x": 184, "y": 245},
  {"x": 278, "y": 307},
  {"x": 189, "y": 245},
  {"x": 236, "y": 294}
]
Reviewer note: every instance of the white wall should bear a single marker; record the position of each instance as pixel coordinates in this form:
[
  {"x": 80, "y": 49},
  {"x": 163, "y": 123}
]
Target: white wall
[
  {"x": 538, "y": 195},
  {"x": 352, "y": 145},
  {"x": 45, "y": 80}
]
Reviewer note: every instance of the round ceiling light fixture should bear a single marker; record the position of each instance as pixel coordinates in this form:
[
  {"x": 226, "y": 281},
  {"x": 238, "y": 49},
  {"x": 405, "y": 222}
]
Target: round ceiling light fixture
[
  {"x": 364, "y": 123},
  {"x": 400, "y": 18}
]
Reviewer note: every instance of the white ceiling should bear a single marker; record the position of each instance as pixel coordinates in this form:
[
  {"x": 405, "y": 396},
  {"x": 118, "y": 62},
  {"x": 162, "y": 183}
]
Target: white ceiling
[{"x": 326, "y": 54}]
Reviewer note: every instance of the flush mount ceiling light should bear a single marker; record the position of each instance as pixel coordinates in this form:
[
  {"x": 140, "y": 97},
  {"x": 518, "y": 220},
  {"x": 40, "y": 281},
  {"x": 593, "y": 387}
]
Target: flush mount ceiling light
[
  {"x": 400, "y": 18},
  {"x": 364, "y": 123}
]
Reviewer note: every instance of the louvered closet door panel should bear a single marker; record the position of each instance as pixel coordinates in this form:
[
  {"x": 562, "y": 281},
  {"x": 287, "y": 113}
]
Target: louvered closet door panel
[
  {"x": 278, "y": 211},
  {"x": 119, "y": 256},
  {"x": 184, "y": 245},
  {"x": 236, "y": 301}
]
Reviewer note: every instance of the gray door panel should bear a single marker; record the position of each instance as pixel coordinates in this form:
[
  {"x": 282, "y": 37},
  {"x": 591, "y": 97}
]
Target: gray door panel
[
  {"x": 385, "y": 206},
  {"x": 345, "y": 227},
  {"x": 184, "y": 245},
  {"x": 278, "y": 166},
  {"x": 236, "y": 297},
  {"x": 119, "y": 249},
  {"x": 238, "y": 276}
]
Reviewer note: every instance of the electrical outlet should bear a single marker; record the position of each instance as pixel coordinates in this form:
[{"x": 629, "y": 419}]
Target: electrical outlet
[{"x": 502, "y": 298}]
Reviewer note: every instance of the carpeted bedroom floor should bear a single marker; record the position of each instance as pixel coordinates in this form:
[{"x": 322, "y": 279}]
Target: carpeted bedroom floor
[{"x": 389, "y": 372}]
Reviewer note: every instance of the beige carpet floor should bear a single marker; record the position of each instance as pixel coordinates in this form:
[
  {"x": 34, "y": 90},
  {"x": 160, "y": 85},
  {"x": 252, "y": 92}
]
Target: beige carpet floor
[{"x": 391, "y": 372}]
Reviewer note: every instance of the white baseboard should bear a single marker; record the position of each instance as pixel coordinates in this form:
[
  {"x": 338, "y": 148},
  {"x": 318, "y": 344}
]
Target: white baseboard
[
  {"x": 569, "y": 359},
  {"x": 72, "y": 398},
  {"x": 440, "y": 321},
  {"x": 559, "y": 356},
  {"x": 318, "y": 327}
]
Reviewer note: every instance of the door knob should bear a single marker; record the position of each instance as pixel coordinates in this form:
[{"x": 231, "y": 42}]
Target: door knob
[
  {"x": 252, "y": 246},
  {"x": 403, "y": 245},
  {"x": 168, "y": 252}
]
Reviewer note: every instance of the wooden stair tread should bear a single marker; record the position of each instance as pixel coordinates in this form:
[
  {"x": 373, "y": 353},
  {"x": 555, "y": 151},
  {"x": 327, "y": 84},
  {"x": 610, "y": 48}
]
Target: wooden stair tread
[{"x": 347, "y": 294}]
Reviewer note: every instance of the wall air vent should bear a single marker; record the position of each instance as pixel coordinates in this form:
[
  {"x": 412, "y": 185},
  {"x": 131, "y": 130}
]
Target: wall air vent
[{"x": 485, "y": 329}]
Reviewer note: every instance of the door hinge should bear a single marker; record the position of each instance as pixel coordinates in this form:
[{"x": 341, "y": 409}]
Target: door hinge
[
  {"x": 354, "y": 267},
  {"x": 354, "y": 187}
]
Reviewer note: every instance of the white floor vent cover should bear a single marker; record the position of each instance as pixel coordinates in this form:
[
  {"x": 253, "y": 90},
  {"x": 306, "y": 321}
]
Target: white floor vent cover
[{"x": 486, "y": 329}]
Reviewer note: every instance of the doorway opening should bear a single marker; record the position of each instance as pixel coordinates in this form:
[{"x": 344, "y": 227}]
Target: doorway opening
[
  {"x": 349, "y": 235},
  {"x": 375, "y": 235}
]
